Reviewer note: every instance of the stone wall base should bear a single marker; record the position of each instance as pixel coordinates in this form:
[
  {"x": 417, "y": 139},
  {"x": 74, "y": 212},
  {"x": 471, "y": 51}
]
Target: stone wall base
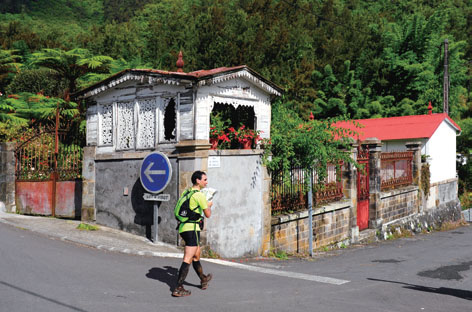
[{"x": 428, "y": 220}]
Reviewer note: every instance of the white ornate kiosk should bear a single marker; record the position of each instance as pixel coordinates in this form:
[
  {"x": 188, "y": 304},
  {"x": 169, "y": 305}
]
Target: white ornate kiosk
[{"x": 138, "y": 111}]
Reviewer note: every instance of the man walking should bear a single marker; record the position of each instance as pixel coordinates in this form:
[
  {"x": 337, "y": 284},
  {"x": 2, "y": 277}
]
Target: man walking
[{"x": 190, "y": 233}]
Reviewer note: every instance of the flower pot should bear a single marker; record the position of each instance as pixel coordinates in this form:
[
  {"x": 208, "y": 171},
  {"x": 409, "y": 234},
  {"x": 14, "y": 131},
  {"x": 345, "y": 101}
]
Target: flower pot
[
  {"x": 214, "y": 143},
  {"x": 246, "y": 144}
]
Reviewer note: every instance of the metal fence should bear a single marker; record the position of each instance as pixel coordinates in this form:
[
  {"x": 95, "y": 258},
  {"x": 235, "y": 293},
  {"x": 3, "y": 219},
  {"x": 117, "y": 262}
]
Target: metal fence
[
  {"x": 396, "y": 169},
  {"x": 39, "y": 158},
  {"x": 289, "y": 189}
]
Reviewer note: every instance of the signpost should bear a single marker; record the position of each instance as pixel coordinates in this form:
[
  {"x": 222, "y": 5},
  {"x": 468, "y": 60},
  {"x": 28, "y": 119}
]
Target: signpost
[{"x": 155, "y": 175}]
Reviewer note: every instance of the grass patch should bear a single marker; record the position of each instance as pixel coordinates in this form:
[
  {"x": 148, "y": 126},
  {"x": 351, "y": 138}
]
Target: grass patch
[
  {"x": 87, "y": 227},
  {"x": 451, "y": 225},
  {"x": 279, "y": 254},
  {"x": 208, "y": 253}
]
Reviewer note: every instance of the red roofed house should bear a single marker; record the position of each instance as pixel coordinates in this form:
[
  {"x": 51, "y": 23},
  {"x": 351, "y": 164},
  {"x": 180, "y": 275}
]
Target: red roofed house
[
  {"x": 436, "y": 132},
  {"x": 139, "y": 111}
]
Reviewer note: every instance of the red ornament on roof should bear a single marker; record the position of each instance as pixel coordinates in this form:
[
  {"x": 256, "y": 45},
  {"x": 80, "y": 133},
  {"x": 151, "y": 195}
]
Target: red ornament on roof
[
  {"x": 180, "y": 63},
  {"x": 430, "y": 108}
]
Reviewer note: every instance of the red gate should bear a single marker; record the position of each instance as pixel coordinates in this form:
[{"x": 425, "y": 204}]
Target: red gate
[
  {"x": 47, "y": 172},
  {"x": 363, "y": 188}
]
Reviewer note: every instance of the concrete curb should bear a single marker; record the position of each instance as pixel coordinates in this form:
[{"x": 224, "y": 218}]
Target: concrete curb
[{"x": 124, "y": 241}]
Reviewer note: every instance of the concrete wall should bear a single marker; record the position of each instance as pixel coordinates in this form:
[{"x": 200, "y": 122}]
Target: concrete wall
[
  {"x": 441, "y": 193},
  {"x": 119, "y": 199},
  {"x": 240, "y": 219},
  {"x": 7, "y": 177}
]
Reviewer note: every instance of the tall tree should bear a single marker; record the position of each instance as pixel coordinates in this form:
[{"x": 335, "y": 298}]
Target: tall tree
[
  {"x": 8, "y": 66},
  {"x": 72, "y": 65}
]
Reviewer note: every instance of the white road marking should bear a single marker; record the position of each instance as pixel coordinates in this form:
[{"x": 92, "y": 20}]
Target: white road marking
[{"x": 308, "y": 277}]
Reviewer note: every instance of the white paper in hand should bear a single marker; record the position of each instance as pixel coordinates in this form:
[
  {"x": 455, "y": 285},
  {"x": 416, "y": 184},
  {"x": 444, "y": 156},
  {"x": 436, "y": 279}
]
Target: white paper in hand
[{"x": 209, "y": 193}]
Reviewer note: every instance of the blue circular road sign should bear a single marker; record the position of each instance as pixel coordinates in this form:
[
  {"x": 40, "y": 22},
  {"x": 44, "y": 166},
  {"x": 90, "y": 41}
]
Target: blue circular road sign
[{"x": 155, "y": 172}]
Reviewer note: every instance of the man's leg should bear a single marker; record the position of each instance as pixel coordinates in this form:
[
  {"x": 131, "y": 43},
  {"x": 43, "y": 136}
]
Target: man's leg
[
  {"x": 189, "y": 253},
  {"x": 204, "y": 279}
]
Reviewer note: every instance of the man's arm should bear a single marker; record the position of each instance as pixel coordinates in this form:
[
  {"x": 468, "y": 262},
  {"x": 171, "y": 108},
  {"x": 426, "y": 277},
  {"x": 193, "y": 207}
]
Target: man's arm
[{"x": 207, "y": 212}]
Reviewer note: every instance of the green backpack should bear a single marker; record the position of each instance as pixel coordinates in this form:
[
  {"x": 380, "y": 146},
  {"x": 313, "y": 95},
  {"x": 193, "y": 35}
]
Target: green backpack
[{"x": 182, "y": 211}]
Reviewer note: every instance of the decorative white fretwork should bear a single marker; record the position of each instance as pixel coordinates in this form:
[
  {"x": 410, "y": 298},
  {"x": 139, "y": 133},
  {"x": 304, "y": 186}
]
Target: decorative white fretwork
[
  {"x": 147, "y": 123},
  {"x": 106, "y": 124},
  {"x": 126, "y": 126}
]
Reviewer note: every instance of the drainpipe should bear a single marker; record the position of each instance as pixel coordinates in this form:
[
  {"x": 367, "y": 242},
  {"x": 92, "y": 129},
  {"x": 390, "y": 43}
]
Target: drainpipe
[{"x": 310, "y": 213}]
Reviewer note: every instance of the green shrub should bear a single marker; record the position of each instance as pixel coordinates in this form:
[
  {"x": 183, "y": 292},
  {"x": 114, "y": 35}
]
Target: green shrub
[{"x": 35, "y": 81}]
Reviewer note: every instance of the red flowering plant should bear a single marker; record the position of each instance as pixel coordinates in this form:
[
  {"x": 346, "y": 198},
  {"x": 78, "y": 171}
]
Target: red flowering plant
[
  {"x": 246, "y": 136},
  {"x": 219, "y": 137}
]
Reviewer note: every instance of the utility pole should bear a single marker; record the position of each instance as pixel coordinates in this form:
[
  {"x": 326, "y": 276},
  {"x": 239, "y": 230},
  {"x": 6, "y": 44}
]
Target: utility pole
[{"x": 446, "y": 80}]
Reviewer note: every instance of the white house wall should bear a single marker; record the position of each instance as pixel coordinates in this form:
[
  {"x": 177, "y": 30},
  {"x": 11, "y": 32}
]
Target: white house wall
[
  {"x": 441, "y": 148},
  {"x": 236, "y": 92},
  {"x": 398, "y": 145}
]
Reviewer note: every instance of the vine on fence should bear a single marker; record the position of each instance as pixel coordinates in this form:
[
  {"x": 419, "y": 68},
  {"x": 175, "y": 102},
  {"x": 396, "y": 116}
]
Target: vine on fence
[{"x": 425, "y": 177}]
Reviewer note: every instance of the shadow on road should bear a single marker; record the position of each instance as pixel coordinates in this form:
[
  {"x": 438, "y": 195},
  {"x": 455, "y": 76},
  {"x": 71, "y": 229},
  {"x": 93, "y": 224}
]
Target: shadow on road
[
  {"x": 166, "y": 275},
  {"x": 464, "y": 294}
]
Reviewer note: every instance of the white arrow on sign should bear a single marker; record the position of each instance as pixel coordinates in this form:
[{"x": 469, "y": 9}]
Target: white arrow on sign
[{"x": 148, "y": 172}]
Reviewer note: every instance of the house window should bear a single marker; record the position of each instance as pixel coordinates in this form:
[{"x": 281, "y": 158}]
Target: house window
[
  {"x": 170, "y": 121},
  {"x": 167, "y": 121},
  {"x": 242, "y": 115},
  {"x": 105, "y": 116},
  {"x": 126, "y": 126},
  {"x": 137, "y": 124},
  {"x": 147, "y": 123}
]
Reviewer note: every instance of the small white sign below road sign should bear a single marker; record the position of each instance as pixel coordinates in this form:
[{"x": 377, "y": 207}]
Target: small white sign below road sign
[{"x": 156, "y": 197}]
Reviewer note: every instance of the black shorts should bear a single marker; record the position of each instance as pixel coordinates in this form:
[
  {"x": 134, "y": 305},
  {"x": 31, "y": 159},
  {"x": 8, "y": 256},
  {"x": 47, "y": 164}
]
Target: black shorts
[{"x": 191, "y": 238}]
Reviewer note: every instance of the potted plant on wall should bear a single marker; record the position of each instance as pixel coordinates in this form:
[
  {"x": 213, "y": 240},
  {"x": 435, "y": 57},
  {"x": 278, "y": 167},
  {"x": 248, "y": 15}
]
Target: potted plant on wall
[
  {"x": 247, "y": 137},
  {"x": 219, "y": 138}
]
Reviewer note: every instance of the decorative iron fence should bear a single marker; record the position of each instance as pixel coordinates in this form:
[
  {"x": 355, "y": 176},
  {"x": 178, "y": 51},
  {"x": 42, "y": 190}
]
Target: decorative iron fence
[
  {"x": 37, "y": 158},
  {"x": 396, "y": 169},
  {"x": 289, "y": 190}
]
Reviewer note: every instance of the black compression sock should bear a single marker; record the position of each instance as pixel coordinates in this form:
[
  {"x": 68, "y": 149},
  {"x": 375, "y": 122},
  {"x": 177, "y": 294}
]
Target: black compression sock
[
  {"x": 182, "y": 273},
  {"x": 198, "y": 268}
]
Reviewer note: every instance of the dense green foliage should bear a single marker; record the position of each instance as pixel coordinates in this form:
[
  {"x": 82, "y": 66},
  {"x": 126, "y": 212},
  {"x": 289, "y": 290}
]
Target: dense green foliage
[{"x": 358, "y": 58}]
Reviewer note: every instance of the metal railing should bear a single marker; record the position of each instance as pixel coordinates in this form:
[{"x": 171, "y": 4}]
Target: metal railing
[
  {"x": 396, "y": 169},
  {"x": 289, "y": 189},
  {"x": 37, "y": 158}
]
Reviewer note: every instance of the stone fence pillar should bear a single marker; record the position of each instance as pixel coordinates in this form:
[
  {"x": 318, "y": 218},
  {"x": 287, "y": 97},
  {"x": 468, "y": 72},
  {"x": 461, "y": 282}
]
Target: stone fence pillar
[
  {"x": 374, "y": 146},
  {"x": 349, "y": 180},
  {"x": 7, "y": 177},
  {"x": 88, "y": 212},
  {"x": 415, "y": 147}
]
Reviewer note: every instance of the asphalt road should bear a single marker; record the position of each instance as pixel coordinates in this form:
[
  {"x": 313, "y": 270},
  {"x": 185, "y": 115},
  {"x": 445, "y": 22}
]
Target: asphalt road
[{"x": 429, "y": 272}]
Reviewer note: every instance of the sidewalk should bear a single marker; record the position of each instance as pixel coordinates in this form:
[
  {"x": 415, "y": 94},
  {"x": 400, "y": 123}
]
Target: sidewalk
[{"x": 104, "y": 238}]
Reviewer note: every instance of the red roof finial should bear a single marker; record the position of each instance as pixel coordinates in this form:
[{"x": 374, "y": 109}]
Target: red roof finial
[
  {"x": 430, "y": 108},
  {"x": 180, "y": 63},
  {"x": 312, "y": 116}
]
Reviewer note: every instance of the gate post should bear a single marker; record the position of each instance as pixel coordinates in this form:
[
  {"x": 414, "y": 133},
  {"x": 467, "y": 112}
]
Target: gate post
[
  {"x": 374, "y": 146},
  {"x": 88, "y": 212},
  {"x": 349, "y": 180},
  {"x": 7, "y": 177},
  {"x": 415, "y": 147}
]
